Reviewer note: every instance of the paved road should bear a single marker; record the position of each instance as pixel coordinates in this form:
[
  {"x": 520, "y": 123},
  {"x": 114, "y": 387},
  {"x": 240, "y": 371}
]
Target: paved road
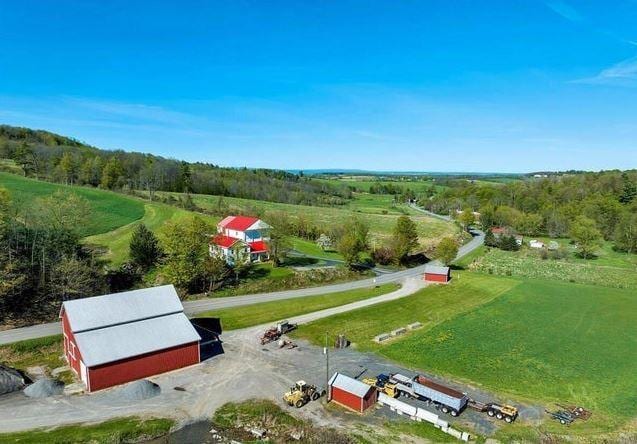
[{"x": 199, "y": 306}]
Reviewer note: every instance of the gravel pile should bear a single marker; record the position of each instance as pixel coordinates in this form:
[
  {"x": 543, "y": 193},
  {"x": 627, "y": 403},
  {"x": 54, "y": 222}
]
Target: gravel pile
[
  {"x": 43, "y": 388},
  {"x": 138, "y": 391},
  {"x": 11, "y": 380}
]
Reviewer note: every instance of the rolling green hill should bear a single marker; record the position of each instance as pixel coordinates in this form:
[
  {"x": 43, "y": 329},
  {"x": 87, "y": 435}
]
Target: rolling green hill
[{"x": 109, "y": 210}]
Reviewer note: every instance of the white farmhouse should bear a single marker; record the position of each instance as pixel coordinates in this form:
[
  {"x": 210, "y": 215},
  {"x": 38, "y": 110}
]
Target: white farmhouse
[{"x": 241, "y": 238}]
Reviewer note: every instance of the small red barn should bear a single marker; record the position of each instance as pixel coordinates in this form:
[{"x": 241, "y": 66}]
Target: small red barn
[
  {"x": 118, "y": 338},
  {"x": 351, "y": 393},
  {"x": 438, "y": 274}
]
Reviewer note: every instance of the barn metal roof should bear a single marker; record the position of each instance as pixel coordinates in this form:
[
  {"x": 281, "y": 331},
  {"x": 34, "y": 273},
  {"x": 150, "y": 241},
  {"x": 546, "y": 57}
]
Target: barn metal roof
[
  {"x": 436, "y": 269},
  {"x": 349, "y": 385},
  {"x": 118, "y": 342},
  {"x": 121, "y": 308}
]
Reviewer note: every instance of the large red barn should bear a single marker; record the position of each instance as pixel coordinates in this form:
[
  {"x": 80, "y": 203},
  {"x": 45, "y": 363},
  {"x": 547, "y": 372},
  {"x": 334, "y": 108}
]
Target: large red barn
[
  {"x": 118, "y": 338},
  {"x": 351, "y": 393},
  {"x": 437, "y": 274}
]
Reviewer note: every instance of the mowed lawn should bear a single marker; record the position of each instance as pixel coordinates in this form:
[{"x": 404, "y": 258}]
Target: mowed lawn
[
  {"x": 250, "y": 315},
  {"x": 429, "y": 306},
  {"x": 549, "y": 341},
  {"x": 108, "y": 210}
]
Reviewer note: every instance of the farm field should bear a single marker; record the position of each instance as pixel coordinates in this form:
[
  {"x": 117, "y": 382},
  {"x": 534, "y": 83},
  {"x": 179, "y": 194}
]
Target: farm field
[
  {"x": 364, "y": 183},
  {"x": 248, "y": 316},
  {"x": 511, "y": 263},
  {"x": 529, "y": 339},
  {"x": 109, "y": 210},
  {"x": 381, "y": 225},
  {"x": 155, "y": 216}
]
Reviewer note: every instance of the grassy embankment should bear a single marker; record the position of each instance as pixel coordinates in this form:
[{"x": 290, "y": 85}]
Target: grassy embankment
[
  {"x": 529, "y": 339},
  {"x": 110, "y": 432},
  {"x": 241, "y": 317}
]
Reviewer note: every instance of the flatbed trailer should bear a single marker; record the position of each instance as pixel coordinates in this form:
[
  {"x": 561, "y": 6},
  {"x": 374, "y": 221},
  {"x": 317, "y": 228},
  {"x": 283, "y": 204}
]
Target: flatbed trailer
[{"x": 445, "y": 398}]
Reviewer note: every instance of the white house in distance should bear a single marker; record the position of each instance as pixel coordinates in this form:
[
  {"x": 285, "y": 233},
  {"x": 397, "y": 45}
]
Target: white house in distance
[{"x": 241, "y": 237}]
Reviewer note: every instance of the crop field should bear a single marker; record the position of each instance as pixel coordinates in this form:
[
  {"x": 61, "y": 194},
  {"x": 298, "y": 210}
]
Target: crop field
[
  {"x": 364, "y": 183},
  {"x": 507, "y": 263},
  {"x": 381, "y": 225},
  {"x": 109, "y": 210},
  {"x": 533, "y": 340}
]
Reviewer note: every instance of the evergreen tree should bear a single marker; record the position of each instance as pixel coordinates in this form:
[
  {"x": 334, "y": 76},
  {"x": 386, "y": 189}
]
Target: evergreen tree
[
  {"x": 489, "y": 239},
  {"x": 630, "y": 190},
  {"x": 144, "y": 249}
]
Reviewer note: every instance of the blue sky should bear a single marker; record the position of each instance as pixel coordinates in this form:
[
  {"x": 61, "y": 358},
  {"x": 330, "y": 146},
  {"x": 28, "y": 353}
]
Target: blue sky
[{"x": 509, "y": 86}]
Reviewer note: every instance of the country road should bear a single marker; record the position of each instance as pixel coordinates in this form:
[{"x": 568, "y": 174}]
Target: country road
[{"x": 199, "y": 306}]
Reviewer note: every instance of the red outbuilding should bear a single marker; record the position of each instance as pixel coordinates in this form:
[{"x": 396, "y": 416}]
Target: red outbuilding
[
  {"x": 351, "y": 393},
  {"x": 118, "y": 338},
  {"x": 437, "y": 274}
]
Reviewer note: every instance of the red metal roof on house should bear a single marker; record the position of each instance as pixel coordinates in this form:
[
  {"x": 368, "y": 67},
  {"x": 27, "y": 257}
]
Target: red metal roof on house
[
  {"x": 239, "y": 223},
  {"x": 225, "y": 241},
  {"x": 258, "y": 247}
]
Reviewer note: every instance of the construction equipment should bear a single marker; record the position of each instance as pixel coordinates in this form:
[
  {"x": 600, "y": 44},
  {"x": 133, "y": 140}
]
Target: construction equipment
[
  {"x": 302, "y": 393},
  {"x": 443, "y": 398},
  {"x": 381, "y": 382},
  {"x": 577, "y": 412},
  {"x": 274, "y": 333},
  {"x": 563, "y": 416},
  {"x": 504, "y": 412}
]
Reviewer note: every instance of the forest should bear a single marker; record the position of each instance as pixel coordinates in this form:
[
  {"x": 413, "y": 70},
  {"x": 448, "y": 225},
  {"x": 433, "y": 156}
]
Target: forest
[
  {"x": 47, "y": 156},
  {"x": 555, "y": 206}
]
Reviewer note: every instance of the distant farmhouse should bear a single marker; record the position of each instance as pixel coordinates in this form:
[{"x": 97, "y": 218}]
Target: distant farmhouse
[
  {"x": 241, "y": 238},
  {"x": 498, "y": 232}
]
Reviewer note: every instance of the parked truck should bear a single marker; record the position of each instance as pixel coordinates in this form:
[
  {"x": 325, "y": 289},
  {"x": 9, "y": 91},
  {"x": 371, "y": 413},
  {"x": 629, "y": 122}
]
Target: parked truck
[{"x": 444, "y": 398}]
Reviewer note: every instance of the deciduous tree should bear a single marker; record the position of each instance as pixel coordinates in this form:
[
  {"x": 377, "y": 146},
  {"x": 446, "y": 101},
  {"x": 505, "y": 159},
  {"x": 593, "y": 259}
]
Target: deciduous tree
[
  {"x": 405, "y": 238},
  {"x": 447, "y": 250},
  {"x": 587, "y": 237}
]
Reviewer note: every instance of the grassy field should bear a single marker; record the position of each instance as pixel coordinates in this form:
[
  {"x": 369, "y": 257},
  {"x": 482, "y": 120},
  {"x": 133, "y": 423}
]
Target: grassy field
[
  {"x": 108, "y": 210},
  {"x": 155, "y": 216},
  {"x": 241, "y": 317},
  {"x": 533, "y": 340},
  {"x": 363, "y": 183},
  {"x": 429, "y": 306},
  {"x": 528, "y": 264},
  {"x": 381, "y": 225},
  {"x": 110, "y": 432}
]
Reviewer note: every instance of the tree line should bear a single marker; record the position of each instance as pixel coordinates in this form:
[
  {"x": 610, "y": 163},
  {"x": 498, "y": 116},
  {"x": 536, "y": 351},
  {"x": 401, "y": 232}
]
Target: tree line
[
  {"x": 569, "y": 205},
  {"x": 48, "y": 156}
]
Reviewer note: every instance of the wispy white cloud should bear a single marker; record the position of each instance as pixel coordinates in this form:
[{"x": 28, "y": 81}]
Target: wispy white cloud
[
  {"x": 565, "y": 10},
  {"x": 623, "y": 73}
]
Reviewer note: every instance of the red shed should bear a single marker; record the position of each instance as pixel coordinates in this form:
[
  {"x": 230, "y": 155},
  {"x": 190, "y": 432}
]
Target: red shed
[
  {"x": 351, "y": 393},
  {"x": 436, "y": 273},
  {"x": 118, "y": 338}
]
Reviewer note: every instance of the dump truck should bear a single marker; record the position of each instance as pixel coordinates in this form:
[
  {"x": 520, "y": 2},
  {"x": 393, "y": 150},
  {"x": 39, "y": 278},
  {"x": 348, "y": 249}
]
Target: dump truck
[
  {"x": 503, "y": 412},
  {"x": 382, "y": 383},
  {"x": 444, "y": 398},
  {"x": 302, "y": 393}
]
